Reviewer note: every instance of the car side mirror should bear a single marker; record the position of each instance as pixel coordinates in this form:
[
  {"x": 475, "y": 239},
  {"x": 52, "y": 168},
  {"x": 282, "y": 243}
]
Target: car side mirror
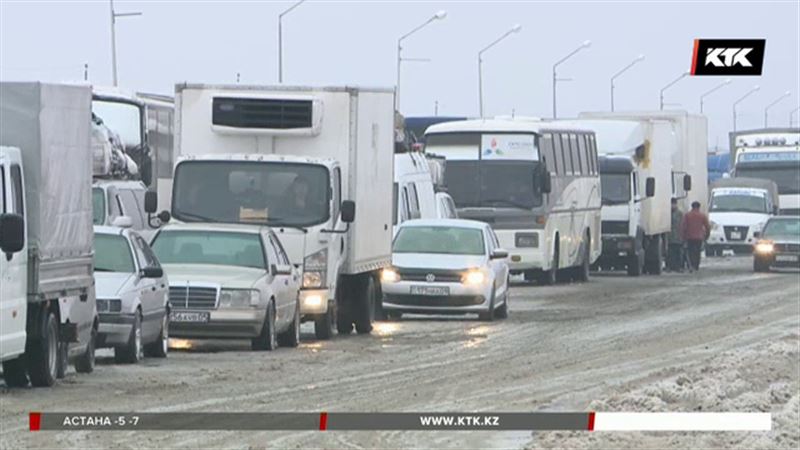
[
  {"x": 150, "y": 202},
  {"x": 650, "y": 187},
  {"x": 152, "y": 272},
  {"x": 12, "y": 233},
  {"x": 348, "y": 211},
  {"x": 499, "y": 253},
  {"x": 281, "y": 269},
  {"x": 687, "y": 182},
  {"x": 122, "y": 222},
  {"x": 545, "y": 185}
]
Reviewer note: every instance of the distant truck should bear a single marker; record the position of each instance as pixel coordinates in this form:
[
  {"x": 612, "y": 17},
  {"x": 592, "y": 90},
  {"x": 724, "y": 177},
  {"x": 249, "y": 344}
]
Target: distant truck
[
  {"x": 738, "y": 209},
  {"x": 47, "y": 295},
  {"x": 635, "y": 166},
  {"x": 314, "y": 164}
]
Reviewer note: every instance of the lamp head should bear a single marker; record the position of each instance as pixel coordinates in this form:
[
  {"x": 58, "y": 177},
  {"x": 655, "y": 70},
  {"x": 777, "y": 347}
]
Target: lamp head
[
  {"x": 440, "y": 15},
  {"x": 516, "y": 28},
  {"x": 586, "y": 44},
  {"x": 640, "y": 58}
]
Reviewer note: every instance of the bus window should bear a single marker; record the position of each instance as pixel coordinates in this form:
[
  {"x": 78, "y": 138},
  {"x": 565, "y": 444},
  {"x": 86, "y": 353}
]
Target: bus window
[
  {"x": 573, "y": 154},
  {"x": 546, "y": 150},
  {"x": 565, "y": 154},
  {"x": 582, "y": 161},
  {"x": 558, "y": 159}
]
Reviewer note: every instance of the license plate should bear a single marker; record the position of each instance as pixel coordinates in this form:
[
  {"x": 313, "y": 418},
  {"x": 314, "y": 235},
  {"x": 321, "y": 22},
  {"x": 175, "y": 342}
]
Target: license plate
[
  {"x": 177, "y": 316},
  {"x": 786, "y": 258},
  {"x": 430, "y": 290},
  {"x": 736, "y": 235}
]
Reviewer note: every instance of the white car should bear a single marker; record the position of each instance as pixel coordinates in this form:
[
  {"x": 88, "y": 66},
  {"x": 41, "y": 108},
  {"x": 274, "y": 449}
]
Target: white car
[
  {"x": 446, "y": 266},
  {"x": 131, "y": 295},
  {"x": 230, "y": 282}
]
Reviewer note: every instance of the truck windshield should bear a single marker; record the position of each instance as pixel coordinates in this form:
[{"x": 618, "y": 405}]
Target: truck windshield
[
  {"x": 210, "y": 247},
  {"x": 112, "y": 254},
  {"x": 616, "y": 188},
  {"x": 782, "y": 228},
  {"x": 738, "y": 203},
  {"x": 270, "y": 193},
  {"x": 439, "y": 240},
  {"x": 98, "y": 206},
  {"x": 122, "y": 118},
  {"x": 787, "y": 178}
]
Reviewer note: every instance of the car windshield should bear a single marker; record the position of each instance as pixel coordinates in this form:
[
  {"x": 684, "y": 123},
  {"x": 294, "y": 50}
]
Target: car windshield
[
  {"x": 271, "y": 193},
  {"x": 439, "y": 240},
  {"x": 112, "y": 253},
  {"x": 98, "y": 206},
  {"x": 738, "y": 203},
  {"x": 616, "y": 188},
  {"x": 782, "y": 228},
  {"x": 209, "y": 247},
  {"x": 122, "y": 118},
  {"x": 787, "y": 178}
]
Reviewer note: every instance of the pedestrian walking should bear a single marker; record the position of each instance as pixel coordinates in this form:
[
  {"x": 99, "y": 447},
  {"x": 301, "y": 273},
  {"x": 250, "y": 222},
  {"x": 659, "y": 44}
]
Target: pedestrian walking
[
  {"x": 695, "y": 229},
  {"x": 674, "y": 240}
]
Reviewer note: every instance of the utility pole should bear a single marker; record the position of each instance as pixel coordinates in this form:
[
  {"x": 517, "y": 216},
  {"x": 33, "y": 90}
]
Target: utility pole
[{"x": 114, "y": 16}]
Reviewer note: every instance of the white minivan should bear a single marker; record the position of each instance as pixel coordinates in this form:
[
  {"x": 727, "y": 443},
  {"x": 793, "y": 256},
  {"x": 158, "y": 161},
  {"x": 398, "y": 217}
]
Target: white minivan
[{"x": 414, "y": 196}]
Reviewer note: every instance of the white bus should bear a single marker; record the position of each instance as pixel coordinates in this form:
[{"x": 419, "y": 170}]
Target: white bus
[{"x": 536, "y": 183}]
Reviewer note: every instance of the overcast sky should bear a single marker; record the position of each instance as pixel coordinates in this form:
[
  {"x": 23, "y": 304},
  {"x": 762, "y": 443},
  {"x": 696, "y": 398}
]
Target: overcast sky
[{"x": 334, "y": 43}]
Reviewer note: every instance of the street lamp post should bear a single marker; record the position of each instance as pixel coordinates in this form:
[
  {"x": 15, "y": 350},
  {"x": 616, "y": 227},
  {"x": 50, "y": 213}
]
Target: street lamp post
[
  {"x": 624, "y": 69},
  {"x": 514, "y": 29},
  {"x": 280, "y": 38},
  {"x": 438, "y": 16},
  {"x": 661, "y": 95},
  {"x": 114, "y": 16},
  {"x": 777, "y": 100},
  {"x": 714, "y": 89},
  {"x": 586, "y": 44},
  {"x": 739, "y": 100}
]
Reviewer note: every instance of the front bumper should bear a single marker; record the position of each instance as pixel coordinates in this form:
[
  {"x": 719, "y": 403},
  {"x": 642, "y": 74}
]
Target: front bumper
[
  {"x": 717, "y": 240},
  {"x": 617, "y": 250},
  {"x": 780, "y": 259},
  {"x": 222, "y": 324},
  {"x": 114, "y": 329},
  {"x": 461, "y": 299},
  {"x": 313, "y": 301}
]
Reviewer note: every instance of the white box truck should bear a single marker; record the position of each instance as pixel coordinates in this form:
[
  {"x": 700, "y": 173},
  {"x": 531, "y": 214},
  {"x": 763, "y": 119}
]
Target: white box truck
[
  {"x": 689, "y": 160},
  {"x": 47, "y": 300},
  {"x": 315, "y": 164},
  {"x": 635, "y": 161}
]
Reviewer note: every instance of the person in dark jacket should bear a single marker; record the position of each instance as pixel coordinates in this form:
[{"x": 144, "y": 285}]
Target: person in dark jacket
[
  {"x": 675, "y": 247},
  {"x": 695, "y": 229}
]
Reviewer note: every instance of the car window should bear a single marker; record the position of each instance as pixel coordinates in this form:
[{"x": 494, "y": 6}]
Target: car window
[
  {"x": 272, "y": 252},
  {"x": 98, "y": 206},
  {"x": 112, "y": 253},
  {"x": 413, "y": 202},
  {"x": 131, "y": 207},
  {"x": 150, "y": 259},
  {"x": 283, "y": 257},
  {"x": 16, "y": 190},
  {"x": 2, "y": 189}
]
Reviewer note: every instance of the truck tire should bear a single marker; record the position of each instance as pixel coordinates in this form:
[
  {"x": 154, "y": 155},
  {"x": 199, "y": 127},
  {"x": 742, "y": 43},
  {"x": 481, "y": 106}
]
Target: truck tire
[
  {"x": 636, "y": 264},
  {"x": 267, "y": 339},
  {"x": 63, "y": 360},
  {"x": 653, "y": 256},
  {"x": 133, "y": 351},
  {"x": 365, "y": 310},
  {"x": 323, "y": 324},
  {"x": 85, "y": 363},
  {"x": 291, "y": 337},
  {"x": 15, "y": 373},
  {"x": 42, "y": 352},
  {"x": 160, "y": 347},
  {"x": 344, "y": 304}
]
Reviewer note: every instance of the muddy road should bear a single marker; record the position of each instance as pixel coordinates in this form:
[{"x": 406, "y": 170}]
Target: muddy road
[{"x": 603, "y": 345}]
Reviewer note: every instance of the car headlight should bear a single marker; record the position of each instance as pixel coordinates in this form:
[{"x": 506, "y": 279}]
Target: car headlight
[
  {"x": 714, "y": 225},
  {"x": 313, "y": 279},
  {"x": 474, "y": 276},
  {"x": 315, "y": 269},
  {"x": 764, "y": 247},
  {"x": 390, "y": 275},
  {"x": 238, "y": 298}
]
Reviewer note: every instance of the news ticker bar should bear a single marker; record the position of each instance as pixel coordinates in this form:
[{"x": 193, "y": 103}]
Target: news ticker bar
[{"x": 542, "y": 421}]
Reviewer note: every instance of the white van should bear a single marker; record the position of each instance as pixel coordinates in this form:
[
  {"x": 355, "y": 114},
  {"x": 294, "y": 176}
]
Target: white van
[
  {"x": 414, "y": 197},
  {"x": 114, "y": 200}
]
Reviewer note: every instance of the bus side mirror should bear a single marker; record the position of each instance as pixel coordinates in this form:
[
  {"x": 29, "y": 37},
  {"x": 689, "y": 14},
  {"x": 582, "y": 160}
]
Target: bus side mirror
[
  {"x": 12, "y": 233},
  {"x": 546, "y": 185},
  {"x": 650, "y": 187},
  {"x": 150, "y": 202},
  {"x": 348, "y": 211},
  {"x": 687, "y": 182}
]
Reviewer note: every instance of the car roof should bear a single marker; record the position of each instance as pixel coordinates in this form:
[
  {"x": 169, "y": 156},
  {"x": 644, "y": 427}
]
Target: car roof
[
  {"x": 459, "y": 223},
  {"x": 222, "y": 227}
]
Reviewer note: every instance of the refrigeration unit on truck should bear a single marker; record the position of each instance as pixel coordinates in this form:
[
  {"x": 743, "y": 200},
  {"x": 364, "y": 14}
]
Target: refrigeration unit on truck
[
  {"x": 689, "y": 158},
  {"x": 314, "y": 164},
  {"x": 537, "y": 183},
  {"x": 738, "y": 208},
  {"x": 636, "y": 186},
  {"x": 47, "y": 297}
]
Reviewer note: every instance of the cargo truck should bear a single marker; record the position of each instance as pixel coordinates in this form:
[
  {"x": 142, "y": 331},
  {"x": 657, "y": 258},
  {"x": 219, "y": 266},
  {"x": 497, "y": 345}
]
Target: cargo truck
[
  {"x": 314, "y": 164},
  {"x": 47, "y": 298}
]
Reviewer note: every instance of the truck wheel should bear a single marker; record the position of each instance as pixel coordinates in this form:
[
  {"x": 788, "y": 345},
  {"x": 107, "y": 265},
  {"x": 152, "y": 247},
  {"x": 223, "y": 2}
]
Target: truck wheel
[
  {"x": 160, "y": 347},
  {"x": 132, "y": 352},
  {"x": 653, "y": 256},
  {"x": 636, "y": 264},
  {"x": 14, "y": 372},
  {"x": 267, "y": 340},
  {"x": 344, "y": 304},
  {"x": 85, "y": 363},
  {"x": 42, "y": 353},
  {"x": 323, "y": 324},
  {"x": 63, "y": 360},
  {"x": 291, "y": 337},
  {"x": 366, "y": 307}
]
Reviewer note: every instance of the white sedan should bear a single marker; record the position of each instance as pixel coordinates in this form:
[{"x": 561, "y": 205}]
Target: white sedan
[
  {"x": 131, "y": 295},
  {"x": 446, "y": 266}
]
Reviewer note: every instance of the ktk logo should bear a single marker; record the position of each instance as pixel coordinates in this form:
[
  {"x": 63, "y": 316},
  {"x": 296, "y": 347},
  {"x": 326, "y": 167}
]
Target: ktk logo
[{"x": 728, "y": 56}]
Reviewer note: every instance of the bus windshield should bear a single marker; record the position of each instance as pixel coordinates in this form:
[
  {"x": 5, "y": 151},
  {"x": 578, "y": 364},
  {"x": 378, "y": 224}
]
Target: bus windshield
[
  {"x": 787, "y": 178},
  {"x": 269, "y": 193},
  {"x": 121, "y": 117},
  {"x": 616, "y": 188}
]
